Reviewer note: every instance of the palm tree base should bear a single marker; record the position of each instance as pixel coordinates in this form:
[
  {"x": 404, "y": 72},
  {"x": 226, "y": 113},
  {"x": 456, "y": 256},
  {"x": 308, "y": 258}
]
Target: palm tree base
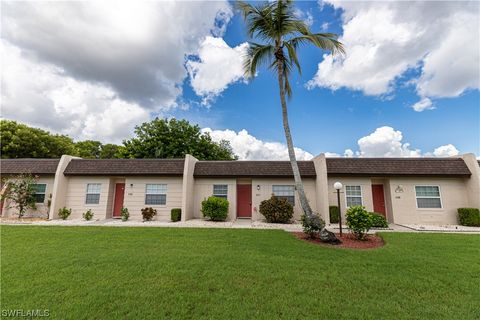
[{"x": 328, "y": 237}]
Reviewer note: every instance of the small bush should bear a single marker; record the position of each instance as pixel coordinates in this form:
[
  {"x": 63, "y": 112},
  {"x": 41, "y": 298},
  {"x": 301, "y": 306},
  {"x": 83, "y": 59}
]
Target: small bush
[
  {"x": 378, "y": 220},
  {"x": 334, "y": 214},
  {"x": 312, "y": 225},
  {"x": 359, "y": 221},
  {"x": 64, "y": 213},
  {"x": 125, "y": 214},
  {"x": 469, "y": 217},
  {"x": 176, "y": 214},
  {"x": 276, "y": 210},
  {"x": 88, "y": 215},
  {"x": 215, "y": 208},
  {"x": 148, "y": 213}
]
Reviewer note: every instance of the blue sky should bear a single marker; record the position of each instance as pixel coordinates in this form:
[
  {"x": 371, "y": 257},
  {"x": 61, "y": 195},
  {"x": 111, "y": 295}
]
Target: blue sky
[{"x": 369, "y": 95}]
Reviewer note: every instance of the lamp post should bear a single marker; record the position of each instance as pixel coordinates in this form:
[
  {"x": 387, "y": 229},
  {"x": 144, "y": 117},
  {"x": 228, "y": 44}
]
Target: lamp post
[{"x": 338, "y": 186}]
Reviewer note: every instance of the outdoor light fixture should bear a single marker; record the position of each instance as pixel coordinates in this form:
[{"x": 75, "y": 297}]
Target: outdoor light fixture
[
  {"x": 338, "y": 186},
  {"x": 258, "y": 187}
]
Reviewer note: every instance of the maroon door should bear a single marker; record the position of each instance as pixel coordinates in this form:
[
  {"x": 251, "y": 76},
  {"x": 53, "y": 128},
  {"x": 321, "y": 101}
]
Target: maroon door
[
  {"x": 378, "y": 199},
  {"x": 244, "y": 200},
  {"x": 118, "y": 202}
]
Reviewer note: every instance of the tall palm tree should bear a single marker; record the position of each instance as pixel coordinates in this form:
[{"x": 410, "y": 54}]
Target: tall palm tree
[{"x": 282, "y": 33}]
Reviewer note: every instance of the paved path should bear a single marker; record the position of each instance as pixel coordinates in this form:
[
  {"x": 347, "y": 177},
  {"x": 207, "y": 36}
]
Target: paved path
[{"x": 236, "y": 224}]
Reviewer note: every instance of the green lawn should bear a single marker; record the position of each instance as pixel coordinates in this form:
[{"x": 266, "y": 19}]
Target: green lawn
[{"x": 111, "y": 273}]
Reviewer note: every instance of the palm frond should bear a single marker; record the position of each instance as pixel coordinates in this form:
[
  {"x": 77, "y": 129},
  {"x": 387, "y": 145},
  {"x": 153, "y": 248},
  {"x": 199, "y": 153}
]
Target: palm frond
[
  {"x": 325, "y": 41},
  {"x": 292, "y": 56},
  {"x": 257, "y": 54}
]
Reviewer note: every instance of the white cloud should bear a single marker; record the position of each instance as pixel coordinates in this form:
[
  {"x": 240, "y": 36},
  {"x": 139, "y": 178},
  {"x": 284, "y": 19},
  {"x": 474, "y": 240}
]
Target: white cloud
[
  {"x": 424, "y": 104},
  {"x": 387, "y": 142},
  {"x": 385, "y": 39},
  {"x": 448, "y": 150},
  {"x": 94, "y": 69},
  {"x": 43, "y": 95},
  {"x": 216, "y": 66},
  {"x": 248, "y": 147},
  {"x": 306, "y": 16}
]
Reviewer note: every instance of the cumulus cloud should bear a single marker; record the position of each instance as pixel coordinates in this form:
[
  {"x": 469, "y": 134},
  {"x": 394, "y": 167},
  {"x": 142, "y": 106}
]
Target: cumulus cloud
[
  {"x": 385, "y": 39},
  {"x": 93, "y": 69},
  {"x": 448, "y": 150},
  {"x": 248, "y": 147},
  {"x": 216, "y": 66},
  {"x": 387, "y": 142},
  {"x": 424, "y": 104},
  {"x": 43, "y": 95}
]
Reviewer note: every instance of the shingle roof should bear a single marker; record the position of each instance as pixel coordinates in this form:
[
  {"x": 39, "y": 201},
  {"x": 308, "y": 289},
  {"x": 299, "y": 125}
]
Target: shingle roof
[
  {"x": 132, "y": 167},
  {"x": 397, "y": 167},
  {"x": 274, "y": 169},
  {"x": 33, "y": 166}
]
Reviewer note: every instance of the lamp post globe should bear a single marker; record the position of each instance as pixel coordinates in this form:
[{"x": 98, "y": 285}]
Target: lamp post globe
[{"x": 338, "y": 185}]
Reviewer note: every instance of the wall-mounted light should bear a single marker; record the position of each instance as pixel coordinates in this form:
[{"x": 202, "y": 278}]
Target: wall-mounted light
[{"x": 258, "y": 187}]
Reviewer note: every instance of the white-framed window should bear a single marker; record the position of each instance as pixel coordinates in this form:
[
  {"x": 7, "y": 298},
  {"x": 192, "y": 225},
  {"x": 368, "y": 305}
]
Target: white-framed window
[
  {"x": 93, "y": 193},
  {"x": 353, "y": 195},
  {"x": 220, "y": 190},
  {"x": 156, "y": 194},
  {"x": 285, "y": 192},
  {"x": 40, "y": 189},
  {"x": 428, "y": 197}
]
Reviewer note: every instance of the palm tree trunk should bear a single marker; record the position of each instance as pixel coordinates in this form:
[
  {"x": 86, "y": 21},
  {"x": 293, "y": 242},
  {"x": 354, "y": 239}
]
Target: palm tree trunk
[{"x": 291, "y": 152}]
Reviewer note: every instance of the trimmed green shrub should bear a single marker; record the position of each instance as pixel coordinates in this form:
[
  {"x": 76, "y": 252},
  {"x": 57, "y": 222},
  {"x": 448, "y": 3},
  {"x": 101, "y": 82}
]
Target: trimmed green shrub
[
  {"x": 378, "y": 220},
  {"x": 312, "y": 225},
  {"x": 64, "y": 213},
  {"x": 215, "y": 208},
  {"x": 469, "y": 217},
  {"x": 334, "y": 214},
  {"x": 176, "y": 214},
  {"x": 276, "y": 210},
  {"x": 88, "y": 215},
  {"x": 125, "y": 214},
  {"x": 359, "y": 221},
  {"x": 148, "y": 213}
]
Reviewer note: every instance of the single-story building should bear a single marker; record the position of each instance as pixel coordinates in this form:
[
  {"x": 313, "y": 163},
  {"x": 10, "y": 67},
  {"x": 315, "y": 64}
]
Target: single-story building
[{"x": 404, "y": 190}]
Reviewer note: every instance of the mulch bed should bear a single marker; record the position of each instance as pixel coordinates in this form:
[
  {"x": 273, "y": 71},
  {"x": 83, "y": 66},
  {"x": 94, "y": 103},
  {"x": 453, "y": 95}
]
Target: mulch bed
[{"x": 348, "y": 241}]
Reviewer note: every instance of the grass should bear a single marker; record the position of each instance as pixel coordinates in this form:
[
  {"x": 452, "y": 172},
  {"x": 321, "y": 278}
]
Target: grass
[{"x": 141, "y": 273}]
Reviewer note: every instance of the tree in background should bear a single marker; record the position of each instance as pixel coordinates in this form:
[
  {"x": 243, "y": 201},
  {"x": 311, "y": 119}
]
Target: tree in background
[
  {"x": 21, "y": 141},
  {"x": 110, "y": 151},
  {"x": 89, "y": 149},
  {"x": 163, "y": 138}
]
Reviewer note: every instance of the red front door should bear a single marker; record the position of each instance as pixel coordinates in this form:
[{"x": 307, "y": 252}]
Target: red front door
[
  {"x": 378, "y": 199},
  {"x": 244, "y": 200},
  {"x": 118, "y": 202}
]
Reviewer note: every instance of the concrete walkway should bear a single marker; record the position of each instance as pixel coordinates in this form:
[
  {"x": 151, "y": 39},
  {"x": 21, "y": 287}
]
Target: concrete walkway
[{"x": 236, "y": 224}]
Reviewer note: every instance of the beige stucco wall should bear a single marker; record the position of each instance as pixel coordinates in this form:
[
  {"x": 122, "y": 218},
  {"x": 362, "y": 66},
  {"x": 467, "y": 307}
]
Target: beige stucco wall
[
  {"x": 321, "y": 184},
  {"x": 134, "y": 199},
  {"x": 473, "y": 184},
  {"x": 453, "y": 196},
  {"x": 364, "y": 183},
  {"x": 76, "y": 194},
  {"x": 60, "y": 187},
  {"x": 203, "y": 188},
  {"x": 188, "y": 188},
  {"x": 42, "y": 208},
  {"x": 265, "y": 192}
]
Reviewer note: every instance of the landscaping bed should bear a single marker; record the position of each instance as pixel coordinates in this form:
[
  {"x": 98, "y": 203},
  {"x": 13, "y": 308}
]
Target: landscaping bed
[{"x": 372, "y": 241}]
